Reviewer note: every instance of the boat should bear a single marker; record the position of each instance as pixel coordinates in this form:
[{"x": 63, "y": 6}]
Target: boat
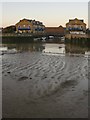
[{"x": 36, "y": 39}]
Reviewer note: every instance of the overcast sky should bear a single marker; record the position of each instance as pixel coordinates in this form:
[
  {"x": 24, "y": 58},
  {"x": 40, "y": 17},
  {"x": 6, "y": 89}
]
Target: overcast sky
[{"x": 50, "y": 13}]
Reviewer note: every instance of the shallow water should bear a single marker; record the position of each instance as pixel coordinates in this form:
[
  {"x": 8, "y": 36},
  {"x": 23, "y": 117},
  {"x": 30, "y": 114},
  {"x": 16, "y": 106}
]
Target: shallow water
[{"x": 45, "y": 80}]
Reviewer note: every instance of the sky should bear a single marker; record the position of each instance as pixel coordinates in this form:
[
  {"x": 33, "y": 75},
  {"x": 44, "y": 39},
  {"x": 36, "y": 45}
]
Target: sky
[
  {"x": 89, "y": 15},
  {"x": 52, "y": 14}
]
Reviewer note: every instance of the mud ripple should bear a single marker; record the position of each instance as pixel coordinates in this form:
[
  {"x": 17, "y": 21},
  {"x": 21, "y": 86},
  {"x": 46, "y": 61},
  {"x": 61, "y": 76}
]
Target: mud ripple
[{"x": 23, "y": 78}]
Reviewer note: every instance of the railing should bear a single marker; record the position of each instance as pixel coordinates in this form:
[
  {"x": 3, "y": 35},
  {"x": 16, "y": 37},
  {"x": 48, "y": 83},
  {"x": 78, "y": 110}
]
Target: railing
[
  {"x": 76, "y": 29},
  {"x": 24, "y": 28}
]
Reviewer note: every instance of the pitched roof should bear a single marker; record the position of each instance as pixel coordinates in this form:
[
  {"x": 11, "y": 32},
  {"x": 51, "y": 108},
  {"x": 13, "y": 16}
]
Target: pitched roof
[
  {"x": 54, "y": 30},
  {"x": 33, "y": 22},
  {"x": 74, "y": 22}
]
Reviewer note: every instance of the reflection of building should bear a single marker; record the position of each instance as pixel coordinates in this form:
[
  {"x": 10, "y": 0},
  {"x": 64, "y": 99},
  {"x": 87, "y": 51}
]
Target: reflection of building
[
  {"x": 76, "y": 49},
  {"x": 54, "y": 49},
  {"x": 54, "y": 30},
  {"x": 29, "y": 26},
  {"x": 22, "y": 47},
  {"x": 76, "y": 28}
]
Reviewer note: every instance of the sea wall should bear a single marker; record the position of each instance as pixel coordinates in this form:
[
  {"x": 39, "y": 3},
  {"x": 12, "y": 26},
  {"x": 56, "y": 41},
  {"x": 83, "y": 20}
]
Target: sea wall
[{"x": 71, "y": 36}]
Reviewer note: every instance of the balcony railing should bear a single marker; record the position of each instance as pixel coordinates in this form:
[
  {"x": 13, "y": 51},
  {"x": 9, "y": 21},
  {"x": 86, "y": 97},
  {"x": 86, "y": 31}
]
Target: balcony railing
[
  {"x": 39, "y": 29},
  {"x": 24, "y": 29},
  {"x": 75, "y": 29}
]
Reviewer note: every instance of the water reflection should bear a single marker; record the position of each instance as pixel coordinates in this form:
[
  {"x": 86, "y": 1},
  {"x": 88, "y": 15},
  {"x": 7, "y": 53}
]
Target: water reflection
[
  {"x": 55, "y": 49},
  {"x": 45, "y": 48},
  {"x": 76, "y": 49},
  {"x": 22, "y": 47}
]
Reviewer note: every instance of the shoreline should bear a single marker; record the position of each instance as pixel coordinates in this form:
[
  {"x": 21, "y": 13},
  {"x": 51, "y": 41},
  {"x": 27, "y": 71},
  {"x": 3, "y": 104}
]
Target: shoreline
[{"x": 30, "y": 39}]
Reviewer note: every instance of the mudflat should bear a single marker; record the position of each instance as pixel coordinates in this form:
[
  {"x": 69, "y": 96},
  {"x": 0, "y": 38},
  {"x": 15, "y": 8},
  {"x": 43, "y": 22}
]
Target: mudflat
[{"x": 41, "y": 85}]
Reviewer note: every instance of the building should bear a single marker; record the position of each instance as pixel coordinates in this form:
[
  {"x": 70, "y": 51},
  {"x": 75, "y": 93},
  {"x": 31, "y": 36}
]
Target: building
[
  {"x": 55, "y": 31},
  {"x": 29, "y": 26},
  {"x": 75, "y": 28},
  {"x": 9, "y": 29},
  {"x": 1, "y": 29}
]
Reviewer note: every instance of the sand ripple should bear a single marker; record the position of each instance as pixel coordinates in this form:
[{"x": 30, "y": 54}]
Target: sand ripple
[
  {"x": 44, "y": 73},
  {"x": 42, "y": 85}
]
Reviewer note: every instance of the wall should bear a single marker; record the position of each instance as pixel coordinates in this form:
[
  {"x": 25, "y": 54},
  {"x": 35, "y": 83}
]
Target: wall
[
  {"x": 55, "y": 30},
  {"x": 69, "y": 36}
]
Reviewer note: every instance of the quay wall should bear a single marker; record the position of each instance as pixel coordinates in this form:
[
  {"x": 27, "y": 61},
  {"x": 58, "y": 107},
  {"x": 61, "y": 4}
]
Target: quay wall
[{"x": 72, "y": 36}]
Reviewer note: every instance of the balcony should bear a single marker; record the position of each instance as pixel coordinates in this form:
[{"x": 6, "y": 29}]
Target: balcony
[
  {"x": 75, "y": 29},
  {"x": 24, "y": 28},
  {"x": 39, "y": 29}
]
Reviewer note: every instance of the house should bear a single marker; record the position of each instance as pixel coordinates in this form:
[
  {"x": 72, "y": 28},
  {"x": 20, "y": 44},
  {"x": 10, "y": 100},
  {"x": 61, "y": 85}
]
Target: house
[
  {"x": 9, "y": 29},
  {"x": 29, "y": 26},
  {"x": 75, "y": 28}
]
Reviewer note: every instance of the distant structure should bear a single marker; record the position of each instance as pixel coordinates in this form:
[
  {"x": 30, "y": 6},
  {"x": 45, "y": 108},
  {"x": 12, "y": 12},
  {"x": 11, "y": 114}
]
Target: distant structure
[
  {"x": 1, "y": 29},
  {"x": 9, "y": 29},
  {"x": 55, "y": 31},
  {"x": 75, "y": 28},
  {"x": 29, "y": 26}
]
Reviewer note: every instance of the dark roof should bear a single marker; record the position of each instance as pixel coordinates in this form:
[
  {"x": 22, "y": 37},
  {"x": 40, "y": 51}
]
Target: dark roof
[
  {"x": 72, "y": 20},
  {"x": 34, "y": 22},
  {"x": 76, "y": 19},
  {"x": 37, "y": 22},
  {"x": 27, "y": 19}
]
